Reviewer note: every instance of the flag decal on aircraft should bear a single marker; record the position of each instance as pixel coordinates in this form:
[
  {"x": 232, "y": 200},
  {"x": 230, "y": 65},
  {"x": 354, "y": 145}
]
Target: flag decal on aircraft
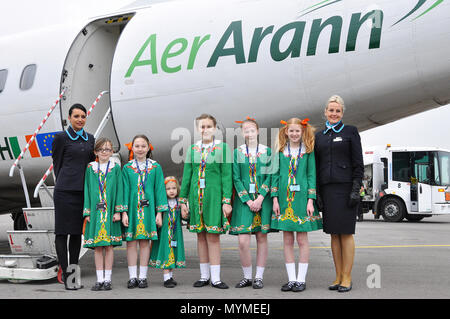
[{"x": 10, "y": 147}]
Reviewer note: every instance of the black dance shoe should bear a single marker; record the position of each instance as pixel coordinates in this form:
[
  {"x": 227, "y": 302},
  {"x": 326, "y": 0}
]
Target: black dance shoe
[
  {"x": 132, "y": 283},
  {"x": 220, "y": 285},
  {"x": 98, "y": 286},
  {"x": 243, "y": 283},
  {"x": 201, "y": 283}
]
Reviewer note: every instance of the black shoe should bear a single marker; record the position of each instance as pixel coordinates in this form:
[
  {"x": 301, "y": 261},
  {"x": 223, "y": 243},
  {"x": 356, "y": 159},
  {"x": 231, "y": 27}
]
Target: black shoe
[
  {"x": 345, "y": 289},
  {"x": 243, "y": 283},
  {"x": 173, "y": 281},
  {"x": 169, "y": 283},
  {"x": 258, "y": 283},
  {"x": 201, "y": 283},
  {"x": 132, "y": 283},
  {"x": 334, "y": 287},
  {"x": 98, "y": 286},
  {"x": 288, "y": 286},
  {"x": 299, "y": 286},
  {"x": 142, "y": 283},
  {"x": 107, "y": 285},
  {"x": 220, "y": 285}
]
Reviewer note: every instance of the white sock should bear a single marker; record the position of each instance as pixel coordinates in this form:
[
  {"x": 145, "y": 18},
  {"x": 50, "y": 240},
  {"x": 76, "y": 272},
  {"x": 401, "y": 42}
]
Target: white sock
[
  {"x": 215, "y": 273},
  {"x": 290, "y": 268},
  {"x": 247, "y": 272},
  {"x": 302, "y": 270},
  {"x": 167, "y": 277},
  {"x": 259, "y": 272},
  {"x": 132, "y": 270},
  {"x": 204, "y": 271},
  {"x": 108, "y": 274},
  {"x": 100, "y": 276},
  {"x": 143, "y": 272},
  {"x": 171, "y": 274}
]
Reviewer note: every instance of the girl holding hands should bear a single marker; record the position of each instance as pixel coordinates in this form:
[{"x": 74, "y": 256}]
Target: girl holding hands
[
  {"x": 207, "y": 185},
  {"x": 294, "y": 192}
]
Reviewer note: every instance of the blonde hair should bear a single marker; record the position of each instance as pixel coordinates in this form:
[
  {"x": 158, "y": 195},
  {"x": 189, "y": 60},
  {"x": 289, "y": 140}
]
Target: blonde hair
[
  {"x": 206, "y": 116},
  {"x": 337, "y": 99},
  {"x": 307, "y": 135},
  {"x": 173, "y": 179}
]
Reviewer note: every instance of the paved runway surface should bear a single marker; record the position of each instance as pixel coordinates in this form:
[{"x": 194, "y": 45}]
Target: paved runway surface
[{"x": 393, "y": 260}]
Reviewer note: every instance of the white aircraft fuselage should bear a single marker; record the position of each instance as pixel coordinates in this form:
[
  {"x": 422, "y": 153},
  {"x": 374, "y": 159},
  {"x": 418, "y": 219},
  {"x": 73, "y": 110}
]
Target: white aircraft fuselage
[{"x": 166, "y": 63}]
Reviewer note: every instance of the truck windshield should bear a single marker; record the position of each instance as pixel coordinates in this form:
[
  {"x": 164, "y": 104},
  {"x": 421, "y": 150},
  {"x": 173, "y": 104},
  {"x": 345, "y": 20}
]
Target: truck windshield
[{"x": 442, "y": 168}]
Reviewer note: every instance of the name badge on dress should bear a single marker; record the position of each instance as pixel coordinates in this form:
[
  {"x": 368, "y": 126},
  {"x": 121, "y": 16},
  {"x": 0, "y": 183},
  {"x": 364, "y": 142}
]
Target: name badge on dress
[
  {"x": 338, "y": 139},
  {"x": 101, "y": 205},
  {"x": 173, "y": 243},
  {"x": 252, "y": 188},
  {"x": 144, "y": 202},
  {"x": 294, "y": 188},
  {"x": 202, "y": 183}
]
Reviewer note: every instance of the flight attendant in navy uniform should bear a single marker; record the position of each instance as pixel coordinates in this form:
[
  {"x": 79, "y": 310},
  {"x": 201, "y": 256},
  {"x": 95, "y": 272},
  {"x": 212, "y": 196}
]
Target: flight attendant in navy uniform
[
  {"x": 72, "y": 150},
  {"x": 340, "y": 169}
]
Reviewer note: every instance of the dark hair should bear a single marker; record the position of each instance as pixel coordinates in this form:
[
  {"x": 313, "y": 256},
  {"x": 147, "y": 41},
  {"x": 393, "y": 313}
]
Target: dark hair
[
  {"x": 206, "y": 116},
  {"x": 149, "y": 153},
  {"x": 77, "y": 106}
]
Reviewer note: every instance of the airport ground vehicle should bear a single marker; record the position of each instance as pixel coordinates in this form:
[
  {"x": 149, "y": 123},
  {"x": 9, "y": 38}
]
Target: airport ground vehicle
[{"x": 406, "y": 182}]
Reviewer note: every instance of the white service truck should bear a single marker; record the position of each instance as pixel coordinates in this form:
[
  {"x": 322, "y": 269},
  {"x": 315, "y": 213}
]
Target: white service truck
[{"x": 406, "y": 182}]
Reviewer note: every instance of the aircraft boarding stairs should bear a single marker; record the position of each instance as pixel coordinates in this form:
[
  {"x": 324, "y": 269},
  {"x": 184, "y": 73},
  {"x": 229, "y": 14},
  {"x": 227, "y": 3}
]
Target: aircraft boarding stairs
[{"x": 33, "y": 250}]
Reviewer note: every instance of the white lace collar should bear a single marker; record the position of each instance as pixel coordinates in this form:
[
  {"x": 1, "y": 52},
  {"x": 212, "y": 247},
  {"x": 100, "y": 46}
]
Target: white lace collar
[
  {"x": 294, "y": 151},
  {"x": 95, "y": 166},
  {"x": 262, "y": 149},
  {"x": 143, "y": 164},
  {"x": 215, "y": 142}
]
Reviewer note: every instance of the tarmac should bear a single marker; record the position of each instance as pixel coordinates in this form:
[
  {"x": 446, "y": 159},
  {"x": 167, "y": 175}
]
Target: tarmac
[{"x": 406, "y": 260}]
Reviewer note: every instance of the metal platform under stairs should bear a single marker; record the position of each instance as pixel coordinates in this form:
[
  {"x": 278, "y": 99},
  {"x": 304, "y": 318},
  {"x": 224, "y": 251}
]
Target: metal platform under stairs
[{"x": 33, "y": 250}]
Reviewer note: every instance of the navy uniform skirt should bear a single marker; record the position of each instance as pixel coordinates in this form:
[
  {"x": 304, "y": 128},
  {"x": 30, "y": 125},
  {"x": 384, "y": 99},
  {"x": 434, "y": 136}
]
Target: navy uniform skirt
[
  {"x": 338, "y": 217},
  {"x": 68, "y": 212}
]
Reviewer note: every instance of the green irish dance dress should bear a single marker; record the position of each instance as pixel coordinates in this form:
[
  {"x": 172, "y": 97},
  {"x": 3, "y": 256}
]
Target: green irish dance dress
[
  {"x": 294, "y": 184},
  {"x": 103, "y": 197},
  {"x": 207, "y": 184},
  {"x": 168, "y": 250},
  {"x": 144, "y": 195},
  {"x": 251, "y": 178}
]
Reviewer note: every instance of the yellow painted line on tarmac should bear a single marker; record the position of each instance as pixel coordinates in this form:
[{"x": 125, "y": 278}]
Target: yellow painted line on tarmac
[{"x": 358, "y": 247}]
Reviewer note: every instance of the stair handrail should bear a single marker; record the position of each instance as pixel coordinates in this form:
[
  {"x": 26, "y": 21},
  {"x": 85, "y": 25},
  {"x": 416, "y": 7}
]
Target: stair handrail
[
  {"x": 49, "y": 170},
  {"x": 11, "y": 171}
]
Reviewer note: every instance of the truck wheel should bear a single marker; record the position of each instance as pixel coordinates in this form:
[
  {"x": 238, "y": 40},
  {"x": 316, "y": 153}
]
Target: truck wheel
[
  {"x": 19, "y": 222},
  {"x": 392, "y": 210}
]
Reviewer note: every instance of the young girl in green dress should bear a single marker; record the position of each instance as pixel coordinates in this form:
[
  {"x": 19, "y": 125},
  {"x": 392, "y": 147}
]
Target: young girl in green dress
[
  {"x": 207, "y": 184},
  {"x": 168, "y": 251},
  {"x": 294, "y": 192},
  {"x": 252, "y": 208},
  {"x": 145, "y": 197},
  {"x": 103, "y": 204}
]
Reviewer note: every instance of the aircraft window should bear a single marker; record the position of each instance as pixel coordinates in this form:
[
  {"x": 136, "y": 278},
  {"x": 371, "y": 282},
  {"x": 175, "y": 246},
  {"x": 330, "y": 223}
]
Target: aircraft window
[
  {"x": 3, "y": 76},
  {"x": 27, "y": 78}
]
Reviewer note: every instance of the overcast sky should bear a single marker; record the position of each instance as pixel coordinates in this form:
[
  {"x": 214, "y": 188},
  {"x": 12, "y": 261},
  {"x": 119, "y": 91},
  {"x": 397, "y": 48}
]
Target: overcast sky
[{"x": 429, "y": 128}]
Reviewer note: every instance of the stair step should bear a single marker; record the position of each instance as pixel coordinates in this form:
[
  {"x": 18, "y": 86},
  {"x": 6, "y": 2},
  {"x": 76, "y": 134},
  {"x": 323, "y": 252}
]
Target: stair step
[
  {"x": 44, "y": 196},
  {"x": 39, "y": 218},
  {"x": 33, "y": 242}
]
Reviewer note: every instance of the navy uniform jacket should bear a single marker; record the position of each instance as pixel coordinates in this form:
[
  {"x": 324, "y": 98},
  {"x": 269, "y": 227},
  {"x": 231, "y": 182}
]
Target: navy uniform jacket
[
  {"x": 339, "y": 156},
  {"x": 70, "y": 159}
]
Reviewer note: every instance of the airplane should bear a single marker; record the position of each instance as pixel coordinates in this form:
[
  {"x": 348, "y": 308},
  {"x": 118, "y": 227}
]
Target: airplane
[{"x": 163, "y": 63}]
